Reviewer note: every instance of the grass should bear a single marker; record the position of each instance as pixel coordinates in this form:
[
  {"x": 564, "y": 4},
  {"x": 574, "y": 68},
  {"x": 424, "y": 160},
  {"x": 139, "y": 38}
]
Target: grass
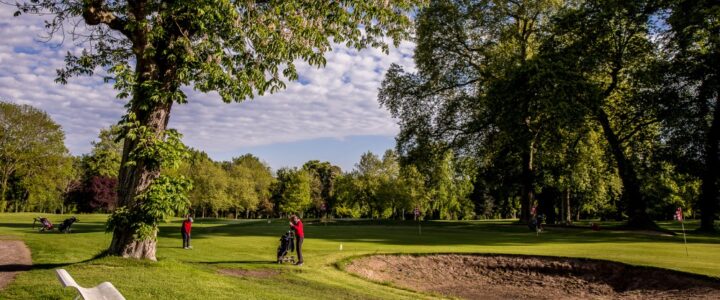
[{"x": 251, "y": 244}]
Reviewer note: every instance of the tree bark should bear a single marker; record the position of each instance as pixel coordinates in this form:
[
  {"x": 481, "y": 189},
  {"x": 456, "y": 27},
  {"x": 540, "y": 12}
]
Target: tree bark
[
  {"x": 136, "y": 178},
  {"x": 709, "y": 194},
  {"x": 636, "y": 206},
  {"x": 528, "y": 183},
  {"x": 126, "y": 244},
  {"x": 3, "y": 199},
  {"x": 133, "y": 180},
  {"x": 568, "y": 215}
]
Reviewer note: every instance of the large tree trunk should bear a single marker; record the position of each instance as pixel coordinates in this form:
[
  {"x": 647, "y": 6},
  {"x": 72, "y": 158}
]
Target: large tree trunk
[
  {"x": 636, "y": 206},
  {"x": 567, "y": 215},
  {"x": 528, "y": 190},
  {"x": 154, "y": 114},
  {"x": 132, "y": 181},
  {"x": 528, "y": 181},
  {"x": 3, "y": 191},
  {"x": 709, "y": 196},
  {"x": 126, "y": 244}
]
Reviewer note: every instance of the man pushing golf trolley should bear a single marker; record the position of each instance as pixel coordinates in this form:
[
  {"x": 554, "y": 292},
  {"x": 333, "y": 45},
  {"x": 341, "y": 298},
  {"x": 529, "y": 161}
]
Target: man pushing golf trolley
[{"x": 291, "y": 241}]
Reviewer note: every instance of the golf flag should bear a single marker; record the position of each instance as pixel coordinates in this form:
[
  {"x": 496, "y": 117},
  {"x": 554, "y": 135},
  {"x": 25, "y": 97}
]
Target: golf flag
[{"x": 679, "y": 217}]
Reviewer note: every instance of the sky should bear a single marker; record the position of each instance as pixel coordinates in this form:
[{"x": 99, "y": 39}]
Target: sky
[{"x": 329, "y": 114}]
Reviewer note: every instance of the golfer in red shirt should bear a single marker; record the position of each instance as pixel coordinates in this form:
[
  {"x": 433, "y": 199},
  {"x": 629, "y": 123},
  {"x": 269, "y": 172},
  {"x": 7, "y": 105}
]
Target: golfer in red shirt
[
  {"x": 185, "y": 230},
  {"x": 297, "y": 225}
]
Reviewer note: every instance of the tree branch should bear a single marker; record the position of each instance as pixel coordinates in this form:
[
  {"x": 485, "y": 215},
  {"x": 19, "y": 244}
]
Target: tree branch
[{"x": 95, "y": 13}]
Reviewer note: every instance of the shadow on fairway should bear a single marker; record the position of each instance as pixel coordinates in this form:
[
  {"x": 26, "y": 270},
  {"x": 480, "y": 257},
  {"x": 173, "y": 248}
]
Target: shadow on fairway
[
  {"x": 433, "y": 233},
  {"x": 78, "y": 227},
  {"x": 244, "y": 262}
]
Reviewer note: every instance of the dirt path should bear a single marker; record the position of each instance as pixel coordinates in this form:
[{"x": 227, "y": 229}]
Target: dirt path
[
  {"x": 14, "y": 257},
  {"x": 527, "y": 277}
]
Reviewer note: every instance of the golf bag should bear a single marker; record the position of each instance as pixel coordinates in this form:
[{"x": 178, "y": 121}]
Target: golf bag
[
  {"x": 287, "y": 245},
  {"x": 45, "y": 224},
  {"x": 65, "y": 226},
  {"x": 535, "y": 223}
]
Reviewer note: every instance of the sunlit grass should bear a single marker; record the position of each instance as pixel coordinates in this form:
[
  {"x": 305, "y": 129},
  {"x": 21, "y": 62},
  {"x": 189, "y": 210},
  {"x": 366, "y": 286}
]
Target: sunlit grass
[{"x": 251, "y": 244}]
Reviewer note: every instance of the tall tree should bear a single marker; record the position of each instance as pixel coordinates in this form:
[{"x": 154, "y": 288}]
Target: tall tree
[
  {"x": 695, "y": 42},
  {"x": 250, "y": 182},
  {"x": 237, "y": 48},
  {"x": 210, "y": 184},
  {"x": 466, "y": 50},
  {"x": 33, "y": 153},
  {"x": 294, "y": 190},
  {"x": 604, "y": 46},
  {"x": 324, "y": 176},
  {"x": 104, "y": 159}
]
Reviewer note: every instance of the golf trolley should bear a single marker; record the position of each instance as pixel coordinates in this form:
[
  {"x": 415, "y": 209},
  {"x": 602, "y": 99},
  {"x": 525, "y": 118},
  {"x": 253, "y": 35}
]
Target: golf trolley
[
  {"x": 287, "y": 245},
  {"x": 46, "y": 225}
]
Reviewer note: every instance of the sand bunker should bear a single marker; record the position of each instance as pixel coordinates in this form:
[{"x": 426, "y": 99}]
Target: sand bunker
[{"x": 516, "y": 277}]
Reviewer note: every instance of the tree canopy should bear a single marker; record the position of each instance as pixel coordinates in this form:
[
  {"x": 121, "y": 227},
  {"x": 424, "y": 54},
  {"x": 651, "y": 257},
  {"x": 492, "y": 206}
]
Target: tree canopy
[{"x": 35, "y": 166}]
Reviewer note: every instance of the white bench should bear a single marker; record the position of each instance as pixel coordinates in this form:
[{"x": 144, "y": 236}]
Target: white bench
[{"x": 104, "y": 291}]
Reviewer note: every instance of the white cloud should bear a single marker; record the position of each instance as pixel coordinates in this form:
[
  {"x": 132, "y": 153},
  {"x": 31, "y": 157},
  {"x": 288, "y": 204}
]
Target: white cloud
[{"x": 337, "y": 101}]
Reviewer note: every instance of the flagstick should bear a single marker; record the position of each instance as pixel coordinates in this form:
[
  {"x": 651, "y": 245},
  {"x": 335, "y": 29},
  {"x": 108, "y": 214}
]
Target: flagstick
[{"x": 684, "y": 238}]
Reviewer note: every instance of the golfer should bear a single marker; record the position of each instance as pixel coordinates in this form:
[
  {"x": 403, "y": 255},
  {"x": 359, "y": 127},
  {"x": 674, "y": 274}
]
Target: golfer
[
  {"x": 297, "y": 225},
  {"x": 185, "y": 230}
]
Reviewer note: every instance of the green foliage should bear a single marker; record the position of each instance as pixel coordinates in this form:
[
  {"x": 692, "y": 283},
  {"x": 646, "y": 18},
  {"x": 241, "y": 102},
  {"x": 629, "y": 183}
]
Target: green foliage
[
  {"x": 250, "y": 181},
  {"x": 104, "y": 159},
  {"x": 35, "y": 166},
  {"x": 323, "y": 184},
  {"x": 294, "y": 190},
  {"x": 166, "y": 196},
  {"x": 693, "y": 116},
  {"x": 163, "y": 199},
  {"x": 235, "y": 48},
  {"x": 164, "y": 150}
]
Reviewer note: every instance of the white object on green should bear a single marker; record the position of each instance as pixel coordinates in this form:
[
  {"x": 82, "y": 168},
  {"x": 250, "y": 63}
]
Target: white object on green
[{"x": 104, "y": 291}]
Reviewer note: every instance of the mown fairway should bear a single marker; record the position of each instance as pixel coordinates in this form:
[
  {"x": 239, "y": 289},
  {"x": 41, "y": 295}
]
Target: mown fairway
[{"x": 251, "y": 244}]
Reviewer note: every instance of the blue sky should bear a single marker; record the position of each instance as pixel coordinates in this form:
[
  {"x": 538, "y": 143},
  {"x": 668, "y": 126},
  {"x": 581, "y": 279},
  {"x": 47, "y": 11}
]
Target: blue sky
[
  {"x": 330, "y": 114},
  {"x": 342, "y": 152}
]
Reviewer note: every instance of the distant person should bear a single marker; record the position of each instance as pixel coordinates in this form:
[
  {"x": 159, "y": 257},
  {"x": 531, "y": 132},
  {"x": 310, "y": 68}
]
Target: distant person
[
  {"x": 297, "y": 225},
  {"x": 185, "y": 229}
]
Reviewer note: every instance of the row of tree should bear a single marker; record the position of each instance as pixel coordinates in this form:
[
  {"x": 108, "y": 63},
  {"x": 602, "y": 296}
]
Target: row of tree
[
  {"x": 38, "y": 174},
  {"x": 376, "y": 188},
  {"x": 36, "y": 169},
  {"x": 602, "y": 107},
  {"x": 577, "y": 181}
]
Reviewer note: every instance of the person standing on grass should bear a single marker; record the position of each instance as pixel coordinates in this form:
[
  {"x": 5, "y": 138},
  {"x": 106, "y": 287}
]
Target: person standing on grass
[
  {"x": 297, "y": 225},
  {"x": 185, "y": 230}
]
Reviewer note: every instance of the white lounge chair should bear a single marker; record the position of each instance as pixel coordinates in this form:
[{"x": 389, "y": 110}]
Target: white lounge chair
[{"x": 104, "y": 291}]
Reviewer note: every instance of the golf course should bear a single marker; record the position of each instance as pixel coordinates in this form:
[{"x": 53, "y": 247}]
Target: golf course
[
  {"x": 236, "y": 258},
  {"x": 385, "y": 149}
]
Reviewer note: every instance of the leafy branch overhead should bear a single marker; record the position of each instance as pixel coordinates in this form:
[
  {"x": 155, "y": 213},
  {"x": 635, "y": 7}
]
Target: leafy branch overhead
[{"x": 237, "y": 48}]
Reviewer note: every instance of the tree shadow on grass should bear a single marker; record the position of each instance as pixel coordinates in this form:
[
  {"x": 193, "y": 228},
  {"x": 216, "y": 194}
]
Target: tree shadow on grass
[
  {"x": 24, "y": 267},
  {"x": 78, "y": 227},
  {"x": 244, "y": 262},
  {"x": 408, "y": 233},
  {"x": 14, "y": 268},
  {"x": 392, "y": 232}
]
